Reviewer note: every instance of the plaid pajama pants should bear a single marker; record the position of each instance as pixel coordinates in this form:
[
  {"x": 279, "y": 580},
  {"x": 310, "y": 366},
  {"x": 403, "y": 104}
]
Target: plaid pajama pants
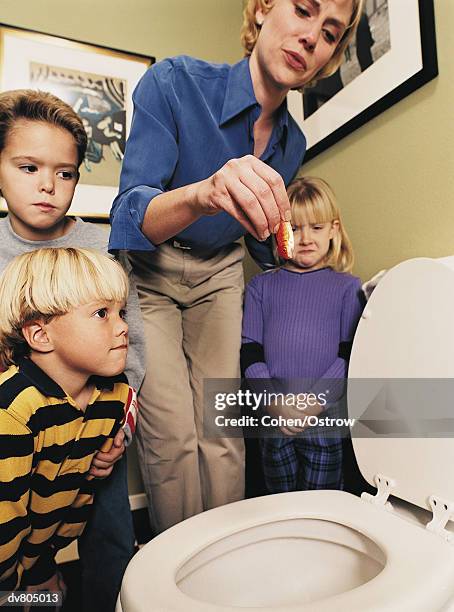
[{"x": 303, "y": 463}]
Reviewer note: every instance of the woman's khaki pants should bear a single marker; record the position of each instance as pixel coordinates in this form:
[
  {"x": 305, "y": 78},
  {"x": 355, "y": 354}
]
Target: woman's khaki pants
[{"x": 192, "y": 309}]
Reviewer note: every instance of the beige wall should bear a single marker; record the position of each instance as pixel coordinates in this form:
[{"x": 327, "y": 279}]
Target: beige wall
[
  {"x": 394, "y": 177},
  {"x": 204, "y": 28}
]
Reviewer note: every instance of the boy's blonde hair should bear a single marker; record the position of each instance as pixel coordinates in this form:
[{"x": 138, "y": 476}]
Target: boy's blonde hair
[
  {"x": 48, "y": 283},
  {"x": 40, "y": 106},
  {"x": 250, "y": 31},
  {"x": 312, "y": 201}
]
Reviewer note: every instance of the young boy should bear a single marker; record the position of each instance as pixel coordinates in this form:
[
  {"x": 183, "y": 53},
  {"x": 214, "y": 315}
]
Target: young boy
[
  {"x": 64, "y": 340},
  {"x": 42, "y": 144}
]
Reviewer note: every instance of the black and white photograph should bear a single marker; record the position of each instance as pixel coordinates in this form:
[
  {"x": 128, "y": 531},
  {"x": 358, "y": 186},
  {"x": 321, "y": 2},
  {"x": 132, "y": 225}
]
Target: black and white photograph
[
  {"x": 372, "y": 40},
  {"x": 392, "y": 54}
]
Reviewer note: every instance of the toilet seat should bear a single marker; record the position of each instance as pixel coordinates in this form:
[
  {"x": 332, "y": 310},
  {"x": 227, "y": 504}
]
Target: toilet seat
[
  {"x": 402, "y": 367},
  {"x": 418, "y": 570}
]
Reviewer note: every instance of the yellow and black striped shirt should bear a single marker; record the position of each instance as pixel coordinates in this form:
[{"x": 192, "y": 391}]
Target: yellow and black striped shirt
[{"x": 46, "y": 447}]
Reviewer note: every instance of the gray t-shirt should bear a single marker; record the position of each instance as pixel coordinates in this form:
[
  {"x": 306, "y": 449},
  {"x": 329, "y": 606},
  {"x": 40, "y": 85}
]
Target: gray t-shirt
[{"x": 85, "y": 235}]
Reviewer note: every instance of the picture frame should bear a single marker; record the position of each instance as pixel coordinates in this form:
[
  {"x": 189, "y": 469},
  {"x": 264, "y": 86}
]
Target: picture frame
[
  {"x": 408, "y": 60},
  {"x": 97, "y": 82}
]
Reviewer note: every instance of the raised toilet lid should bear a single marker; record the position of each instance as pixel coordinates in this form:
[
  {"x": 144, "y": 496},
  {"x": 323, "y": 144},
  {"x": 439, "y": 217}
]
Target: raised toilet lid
[{"x": 406, "y": 332}]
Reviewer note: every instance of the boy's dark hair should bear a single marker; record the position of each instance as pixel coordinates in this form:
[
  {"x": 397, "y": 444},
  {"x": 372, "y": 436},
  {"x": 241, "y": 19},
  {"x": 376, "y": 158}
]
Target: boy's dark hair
[{"x": 40, "y": 106}]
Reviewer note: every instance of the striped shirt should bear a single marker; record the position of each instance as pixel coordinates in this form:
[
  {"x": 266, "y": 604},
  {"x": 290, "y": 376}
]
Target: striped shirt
[{"x": 46, "y": 447}]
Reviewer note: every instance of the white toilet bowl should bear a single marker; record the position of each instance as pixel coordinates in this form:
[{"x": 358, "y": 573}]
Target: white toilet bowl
[
  {"x": 329, "y": 551},
  {"x": 307, "y": 551}
]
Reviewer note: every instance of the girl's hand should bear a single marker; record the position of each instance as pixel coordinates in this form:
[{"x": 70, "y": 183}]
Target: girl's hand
[
  {"x": 281, "y": 409},
  {"x": 291, "y": 412},
  {"x": 250, "y": 191}
]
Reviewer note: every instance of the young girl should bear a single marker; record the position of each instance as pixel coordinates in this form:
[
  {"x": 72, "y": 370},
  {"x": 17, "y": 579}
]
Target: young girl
[{"x": 299, "y": 322}]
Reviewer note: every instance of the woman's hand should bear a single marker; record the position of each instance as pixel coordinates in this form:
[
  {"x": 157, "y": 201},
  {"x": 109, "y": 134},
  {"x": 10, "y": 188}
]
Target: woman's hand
[{"x": 250, "y": 191}]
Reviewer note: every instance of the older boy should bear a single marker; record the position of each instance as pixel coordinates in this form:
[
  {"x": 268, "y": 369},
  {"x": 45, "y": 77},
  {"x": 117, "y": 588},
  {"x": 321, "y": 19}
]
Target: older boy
[
  {"x": 42, "y": 144},
  {"x": 64, "y": 340}
]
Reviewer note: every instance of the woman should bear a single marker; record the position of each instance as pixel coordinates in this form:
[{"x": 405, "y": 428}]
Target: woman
[{"x": 211, "y": 150}]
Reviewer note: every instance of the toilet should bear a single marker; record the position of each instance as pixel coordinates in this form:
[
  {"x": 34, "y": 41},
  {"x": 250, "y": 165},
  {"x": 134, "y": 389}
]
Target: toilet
[{"x": 330, "y": 551}]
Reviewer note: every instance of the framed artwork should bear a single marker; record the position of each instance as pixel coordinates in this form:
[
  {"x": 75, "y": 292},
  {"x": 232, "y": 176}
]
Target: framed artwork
[
  {"x": 392, "y": 55},
  {"x": 98, "y": 83}
]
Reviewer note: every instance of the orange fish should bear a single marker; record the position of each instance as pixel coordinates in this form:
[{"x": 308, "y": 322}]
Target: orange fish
[{"x": 285, "y": 241}]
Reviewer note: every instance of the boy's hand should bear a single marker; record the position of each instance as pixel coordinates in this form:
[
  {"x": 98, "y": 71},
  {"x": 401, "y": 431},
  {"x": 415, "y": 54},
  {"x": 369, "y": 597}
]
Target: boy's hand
[
  {"x": 55, "y": 583},
  {"x": 103, "y": 462}
]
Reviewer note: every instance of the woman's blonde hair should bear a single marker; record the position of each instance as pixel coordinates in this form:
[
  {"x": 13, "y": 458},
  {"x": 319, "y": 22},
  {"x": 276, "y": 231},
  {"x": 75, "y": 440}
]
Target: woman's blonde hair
[
  {"x": 50, "y": 282},
  {"x": 250, "y": 31},
  {"x": 312, "y": 201}
]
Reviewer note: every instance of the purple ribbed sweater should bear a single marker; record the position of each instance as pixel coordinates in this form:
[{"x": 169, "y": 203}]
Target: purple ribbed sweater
[{"x": 300, "y": 319}]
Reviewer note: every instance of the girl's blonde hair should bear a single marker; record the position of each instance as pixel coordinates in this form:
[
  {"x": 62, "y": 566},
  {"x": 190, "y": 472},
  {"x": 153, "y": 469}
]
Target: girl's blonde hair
[
  {"x": 313, "y": 201},
  {"x": 250, "y": 31},
  {"x": 50, "y": 282}
]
